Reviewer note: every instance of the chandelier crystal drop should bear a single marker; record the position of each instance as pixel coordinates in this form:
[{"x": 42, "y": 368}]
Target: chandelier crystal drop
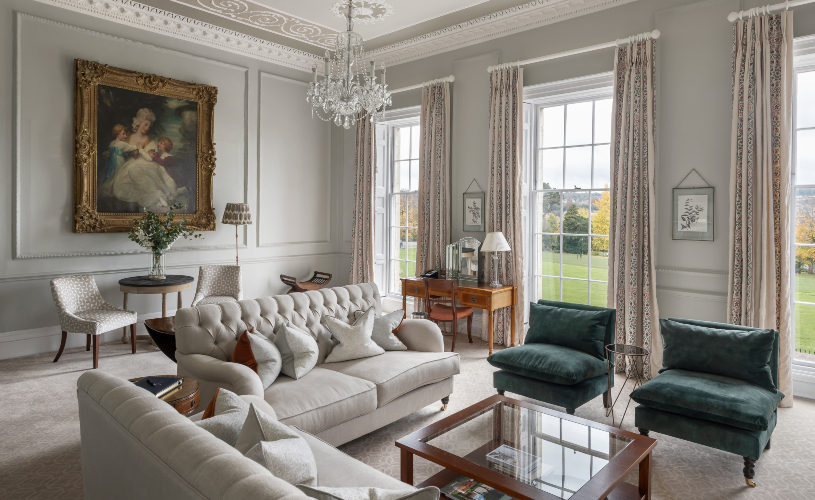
[{"x": 347, "y": 91}]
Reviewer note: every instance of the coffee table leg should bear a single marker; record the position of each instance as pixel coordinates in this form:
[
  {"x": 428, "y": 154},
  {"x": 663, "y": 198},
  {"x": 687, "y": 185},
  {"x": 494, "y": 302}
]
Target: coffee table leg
[
  {"x": 407, "y": 467},
  {"x": 124, "y": 329},
  {"x": 645, "y": 477}
]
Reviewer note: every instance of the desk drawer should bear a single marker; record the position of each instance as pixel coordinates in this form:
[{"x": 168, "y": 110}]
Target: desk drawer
[
  {"x": 469, "y": 299},
  {"x": 413, "y": 288}
]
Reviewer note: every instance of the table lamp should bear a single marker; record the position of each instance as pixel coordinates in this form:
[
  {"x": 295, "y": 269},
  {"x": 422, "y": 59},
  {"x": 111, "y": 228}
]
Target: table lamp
[
  {"x": 237, "y": 214},
  {"x": 495, "y": 242}
]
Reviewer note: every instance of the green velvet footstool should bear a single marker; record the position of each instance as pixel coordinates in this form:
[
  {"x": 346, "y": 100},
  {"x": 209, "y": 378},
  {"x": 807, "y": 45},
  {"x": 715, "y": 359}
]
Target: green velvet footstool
[
  {"x": 562, "y": 361},
  {"x": 717, "y": 387}
]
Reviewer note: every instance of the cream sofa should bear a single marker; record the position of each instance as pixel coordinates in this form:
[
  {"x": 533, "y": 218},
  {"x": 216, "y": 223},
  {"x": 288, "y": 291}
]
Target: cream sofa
[
  {"x": 135, "y": 447},
  {"x": 337, "y": 402}
]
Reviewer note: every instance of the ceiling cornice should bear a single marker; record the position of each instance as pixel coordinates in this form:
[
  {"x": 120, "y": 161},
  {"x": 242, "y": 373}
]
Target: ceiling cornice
[
  {"x": 131, "y": 13},
  {"x": 496, "y": 25}
]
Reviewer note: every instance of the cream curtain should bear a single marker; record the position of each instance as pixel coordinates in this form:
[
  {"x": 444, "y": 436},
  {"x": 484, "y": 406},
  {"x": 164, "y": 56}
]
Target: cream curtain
[
  {"x": 632, "y": 235},
  {"x": 362, "y": 225},
  {"x": 505, "y": 164},
  {"x": 434, "y": 177},
  {"x": 760, "y": 145}
]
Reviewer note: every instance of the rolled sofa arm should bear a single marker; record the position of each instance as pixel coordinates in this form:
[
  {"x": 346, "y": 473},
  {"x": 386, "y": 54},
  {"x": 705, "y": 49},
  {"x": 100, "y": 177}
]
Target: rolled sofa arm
[
  {"x": 421, "y": 335},
  {"x": 212, "y": 372}
]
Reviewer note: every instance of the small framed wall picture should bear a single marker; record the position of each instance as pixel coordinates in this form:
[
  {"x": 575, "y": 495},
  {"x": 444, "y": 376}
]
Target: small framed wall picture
[
  {"x": 474, "y": 211},
  {"x": 693, "y": 214}
]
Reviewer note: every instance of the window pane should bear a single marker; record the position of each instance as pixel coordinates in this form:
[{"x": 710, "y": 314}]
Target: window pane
[
  {"x": 576, "y": 213},
  {"x": 578, "y": 123},
  {"x": 413, "y": 210},
  {"x": 396, "y": 274},
  {"x": 602, "y": 166},
  {"x": 804, "y": 215},
  {"x": 805, "y": 332},
  {"x": 600, "y": 209},
  {"x": 805, "y": 280},
  {"x": 403, "y": 174},
  {"x": 414, "y": 175},
  {"x": 602, "y": 121},
  {"x": 598, "y": 293},
  {"x": 805, "y": 116},
  {"x": 549, "y": 288},
  {"x": 401, "y": 146},
  {"x": 398, "y": 210},
  {"x": 805, "y": 157},
  {"x": 548, "y": 212},
  {"x": 576, "y": 292},
  {"x": 575, "y": 258},
  {"x": 578, "y": 168},
  {"x": 414, "y": 142},
  {"x": 403, "y": 248},
  {"x": 396, "y": 242},
  {"x": 548, "y": 255},
  {"x": 411, "y": 244},
  {"x": 550, "y": 169},
  {"x": 599, "y": 258},
  {"x": 551, "y": 128},
  {"x": 411, "y": 269}
]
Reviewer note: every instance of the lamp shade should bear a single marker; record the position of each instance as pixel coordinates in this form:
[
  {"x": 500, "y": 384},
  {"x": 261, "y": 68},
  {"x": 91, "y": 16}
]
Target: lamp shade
[
  {"x": 495, "y": 242},
  {"x": 237, "y": 214}
]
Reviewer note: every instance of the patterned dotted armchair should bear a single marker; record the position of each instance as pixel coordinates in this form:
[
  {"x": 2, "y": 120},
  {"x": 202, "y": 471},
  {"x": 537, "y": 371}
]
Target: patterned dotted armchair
[
  {"x": 218, "y": 284},
  {"x": 82, "y": 309}
]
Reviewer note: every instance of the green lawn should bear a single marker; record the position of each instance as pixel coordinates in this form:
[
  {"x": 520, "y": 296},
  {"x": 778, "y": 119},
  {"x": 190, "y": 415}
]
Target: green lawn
[
  {"x": 805, "y": 314},
  {"x": 574, "y": 266}
]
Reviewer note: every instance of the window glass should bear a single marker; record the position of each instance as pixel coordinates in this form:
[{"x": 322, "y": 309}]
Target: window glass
[{"x": 404, "y": 204}]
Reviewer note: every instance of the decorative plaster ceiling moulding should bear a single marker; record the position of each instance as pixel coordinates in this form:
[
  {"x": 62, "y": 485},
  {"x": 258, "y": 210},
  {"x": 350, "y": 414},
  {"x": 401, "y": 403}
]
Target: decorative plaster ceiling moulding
[
  {"x": 498, "y": 24},
  {"x": 131, "y": 13},
  {"x": 261, "y": 16}
]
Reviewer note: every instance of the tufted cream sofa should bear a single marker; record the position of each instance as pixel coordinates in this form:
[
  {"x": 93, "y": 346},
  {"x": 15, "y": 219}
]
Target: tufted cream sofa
[
  {"x": 135, "y": 446},
  {"x": 338, "y": 402}
]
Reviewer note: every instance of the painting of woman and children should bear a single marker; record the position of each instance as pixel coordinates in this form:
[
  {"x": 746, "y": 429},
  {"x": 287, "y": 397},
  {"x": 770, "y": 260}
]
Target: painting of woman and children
[{"x": 147, "y": 152}]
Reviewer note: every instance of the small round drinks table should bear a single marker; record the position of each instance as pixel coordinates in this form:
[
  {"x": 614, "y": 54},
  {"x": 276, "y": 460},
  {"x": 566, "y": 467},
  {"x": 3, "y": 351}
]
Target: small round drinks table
[
  {"x": 185, "y": 399},
  {"x": 144, "y": 285},
  {"x": 634, "y": 358}
]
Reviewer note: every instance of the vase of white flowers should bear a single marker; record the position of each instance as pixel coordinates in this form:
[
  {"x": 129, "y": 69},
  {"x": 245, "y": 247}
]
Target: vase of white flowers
[{"x": 157, "y": 235}]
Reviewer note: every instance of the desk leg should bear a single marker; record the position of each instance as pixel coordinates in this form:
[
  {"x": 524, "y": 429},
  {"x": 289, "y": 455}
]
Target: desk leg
[
  {"x": 404, "y": 300},
  {"x": 179, "y": 302},
  {"x": 163, "y": 305},
  {"x": 489, "y": 330},
  {"x": 512, "y": 325},
  {"x": 124, "y": 329},
  {"x": 407, "y": 467},
  {"x": 645, "y": 478}
]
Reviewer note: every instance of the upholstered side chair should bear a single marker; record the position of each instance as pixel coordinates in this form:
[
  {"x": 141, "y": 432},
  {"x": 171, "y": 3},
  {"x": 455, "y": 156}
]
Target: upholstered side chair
[
  {"x": 448, "y": 311},
  {"x": 82, "y": 309},
  {"x": 218, "y": 284}
]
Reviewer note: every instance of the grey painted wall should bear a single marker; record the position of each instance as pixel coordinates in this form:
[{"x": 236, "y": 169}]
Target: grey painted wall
[
  {"x": 271, "y": 154},
  {"x": 694, "y": 78}
]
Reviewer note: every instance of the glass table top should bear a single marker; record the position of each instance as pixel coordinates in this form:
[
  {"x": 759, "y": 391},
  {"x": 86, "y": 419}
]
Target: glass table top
[
  {"x": 552, "y": 454},
  {"x": 627, "y": 349}
]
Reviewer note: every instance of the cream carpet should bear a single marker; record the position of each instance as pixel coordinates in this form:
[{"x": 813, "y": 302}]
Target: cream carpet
[{"x": 39, "y": 432}]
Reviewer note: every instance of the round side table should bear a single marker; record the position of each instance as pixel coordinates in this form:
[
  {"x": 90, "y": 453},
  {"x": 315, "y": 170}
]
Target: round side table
[
  {"x": 635, "y": 359},
  {"x": 185, "y": 399},
  {"x": 144, "y": 285}
]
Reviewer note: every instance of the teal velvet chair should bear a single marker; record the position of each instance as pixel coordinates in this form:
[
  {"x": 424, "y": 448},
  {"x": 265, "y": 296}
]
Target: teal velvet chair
[
  {"x": 562, "y": 361},
  {"x": 717, "y": 387}
]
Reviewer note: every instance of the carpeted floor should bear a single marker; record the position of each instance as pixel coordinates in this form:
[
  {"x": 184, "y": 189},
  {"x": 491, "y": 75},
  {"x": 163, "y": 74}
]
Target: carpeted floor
[{"x": 39, "y": 432}]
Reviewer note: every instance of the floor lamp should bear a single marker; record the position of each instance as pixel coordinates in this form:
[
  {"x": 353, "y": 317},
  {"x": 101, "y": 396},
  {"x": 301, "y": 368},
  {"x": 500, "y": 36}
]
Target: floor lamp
[{"x": 237, "y": 214}]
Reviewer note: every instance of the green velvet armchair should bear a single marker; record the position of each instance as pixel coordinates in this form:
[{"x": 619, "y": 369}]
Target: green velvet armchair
[
  {"x": 717, "y": 387},
  {"x": 562, "y": 361}
]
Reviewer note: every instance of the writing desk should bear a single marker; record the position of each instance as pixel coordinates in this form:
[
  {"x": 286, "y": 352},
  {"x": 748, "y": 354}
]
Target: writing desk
[{"x": 478, "y": 297}]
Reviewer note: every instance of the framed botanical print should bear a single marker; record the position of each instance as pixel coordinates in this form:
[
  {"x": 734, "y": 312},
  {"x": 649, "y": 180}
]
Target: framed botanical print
[
  {"x": 474, "y": 211},
  {"x": 693, "y": 214},
  {"x": 142, "y": 142}
]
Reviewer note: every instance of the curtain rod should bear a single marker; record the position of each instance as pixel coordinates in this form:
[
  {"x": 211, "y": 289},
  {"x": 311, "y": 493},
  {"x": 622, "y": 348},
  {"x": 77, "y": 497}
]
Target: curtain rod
[
  {"x": 653, "y": 35},
  {"x": 760, "y": 11},
  {"x": 449, "y": 79}
]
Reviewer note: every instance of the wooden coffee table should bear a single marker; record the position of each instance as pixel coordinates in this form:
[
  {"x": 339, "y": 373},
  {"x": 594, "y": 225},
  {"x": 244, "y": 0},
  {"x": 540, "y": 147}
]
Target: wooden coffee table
[{"x": 563, "y": 456}]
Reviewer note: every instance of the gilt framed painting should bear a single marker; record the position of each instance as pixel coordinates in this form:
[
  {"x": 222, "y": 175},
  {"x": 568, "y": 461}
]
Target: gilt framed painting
[
  {"x": 693, "y": 214},
  {"x": 142, "y": 142}
]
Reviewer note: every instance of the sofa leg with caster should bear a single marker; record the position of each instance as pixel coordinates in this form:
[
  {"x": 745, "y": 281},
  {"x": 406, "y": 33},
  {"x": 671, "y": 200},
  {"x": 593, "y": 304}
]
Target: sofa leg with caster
[
  {"x": 749, "y": 471},
  {"x": 444, "y": 402}
]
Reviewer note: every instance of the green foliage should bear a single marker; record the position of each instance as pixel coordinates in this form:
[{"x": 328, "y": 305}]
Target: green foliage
[
  {"x": 575, "y": 221},
  {"x": 157, "y": 234}
]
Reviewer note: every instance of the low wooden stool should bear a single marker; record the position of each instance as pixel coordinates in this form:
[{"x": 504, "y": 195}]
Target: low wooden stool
[
  {"x": 317, "y": 281},
  {"x": 185, "y": 399}
]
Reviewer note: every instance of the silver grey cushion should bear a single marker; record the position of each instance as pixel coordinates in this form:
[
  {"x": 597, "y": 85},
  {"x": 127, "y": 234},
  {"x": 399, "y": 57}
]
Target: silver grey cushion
[
  {"x": 281, "y": 450},
  {"x": 256, "y": 428},
  {"x": 230, "y": 413},
  {"x": 368, "y": 493},
  {"x": 267, "y": 356},
  {"x": 383, "y": 330},
  {"x": 298, "y": 349},
  {"x": 354, "y": 340}
]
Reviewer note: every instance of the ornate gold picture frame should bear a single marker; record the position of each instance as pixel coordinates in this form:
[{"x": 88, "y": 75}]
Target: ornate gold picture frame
[{"x": 142, "y": 141}]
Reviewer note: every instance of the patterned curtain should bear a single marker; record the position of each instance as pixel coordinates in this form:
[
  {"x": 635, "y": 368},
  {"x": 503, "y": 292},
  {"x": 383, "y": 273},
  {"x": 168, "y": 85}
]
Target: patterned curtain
[
  {"x": 505, "y": 163},
  {"x": 434, "y": 177},
  {"x": 760, "y": 145},
  {"x": 631, "y": 242},
  {"x": 362, "y": 225}
]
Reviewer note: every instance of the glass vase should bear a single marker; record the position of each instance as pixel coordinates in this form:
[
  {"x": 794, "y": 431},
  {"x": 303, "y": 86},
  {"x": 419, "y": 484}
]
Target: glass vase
[{"x": 157, "y": 266}]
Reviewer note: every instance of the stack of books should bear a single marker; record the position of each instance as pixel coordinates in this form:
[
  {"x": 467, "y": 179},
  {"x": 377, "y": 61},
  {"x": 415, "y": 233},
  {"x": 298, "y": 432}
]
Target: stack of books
[{"x": 160, "y": 386}]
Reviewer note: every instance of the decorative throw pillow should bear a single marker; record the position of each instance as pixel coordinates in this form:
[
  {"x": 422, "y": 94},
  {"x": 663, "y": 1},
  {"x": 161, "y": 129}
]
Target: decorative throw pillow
[
  {"x": 574, "y": 328},
  {"x": 384, "y": 328},
  {"x": 224, "y": 416},
  {"x": 298, "y": 349},
  {"x": 354, "y": 340},
  {"x": 278, "y": 448},
  {"x": 260, "y": 354},
  {"x": 367, "y": 493}
]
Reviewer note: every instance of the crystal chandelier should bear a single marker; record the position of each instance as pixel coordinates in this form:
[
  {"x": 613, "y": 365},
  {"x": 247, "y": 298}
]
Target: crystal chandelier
[{"x": 347, "y": 91}]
